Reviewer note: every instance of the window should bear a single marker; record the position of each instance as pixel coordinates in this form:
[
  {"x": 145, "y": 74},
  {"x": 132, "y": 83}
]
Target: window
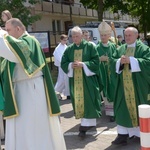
[
  {"x": 53, "y": 27},
  {"x": 58, "y": 26}
]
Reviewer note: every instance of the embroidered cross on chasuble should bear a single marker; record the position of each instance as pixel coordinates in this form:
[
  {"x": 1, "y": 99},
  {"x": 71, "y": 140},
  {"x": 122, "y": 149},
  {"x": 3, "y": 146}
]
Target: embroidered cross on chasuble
[
  {"x": 129, "y": 89},
  {"x": 78, "y": 87}
]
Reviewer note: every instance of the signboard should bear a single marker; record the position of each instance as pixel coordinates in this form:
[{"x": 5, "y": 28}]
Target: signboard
[{"x": 43, "y": 38}]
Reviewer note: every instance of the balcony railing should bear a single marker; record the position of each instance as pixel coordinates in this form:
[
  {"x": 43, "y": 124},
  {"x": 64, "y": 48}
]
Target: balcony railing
[{"x": 76, "y": 9}]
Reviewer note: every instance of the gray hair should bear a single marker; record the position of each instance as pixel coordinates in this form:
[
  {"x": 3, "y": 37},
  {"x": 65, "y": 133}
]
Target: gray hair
[{"x": 76, "y": 29}]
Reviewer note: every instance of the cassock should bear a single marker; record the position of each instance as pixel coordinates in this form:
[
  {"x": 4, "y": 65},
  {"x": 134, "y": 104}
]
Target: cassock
[
  {"x": 31, "y": 109},
  {"x": 62, "y": 84}
]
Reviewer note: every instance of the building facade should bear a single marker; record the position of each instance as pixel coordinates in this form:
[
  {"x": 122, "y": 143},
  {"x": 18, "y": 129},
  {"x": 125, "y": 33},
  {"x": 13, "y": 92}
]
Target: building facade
[{"x": 59, "y": 15}]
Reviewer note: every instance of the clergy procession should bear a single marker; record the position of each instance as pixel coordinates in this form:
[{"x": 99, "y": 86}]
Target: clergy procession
[{"x": 110, "y": 73}]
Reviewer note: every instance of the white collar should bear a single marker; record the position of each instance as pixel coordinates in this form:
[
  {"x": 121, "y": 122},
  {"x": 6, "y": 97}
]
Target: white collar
[
  {"x": 132, "y": 45},
  {"x": 105, "y": 45}
]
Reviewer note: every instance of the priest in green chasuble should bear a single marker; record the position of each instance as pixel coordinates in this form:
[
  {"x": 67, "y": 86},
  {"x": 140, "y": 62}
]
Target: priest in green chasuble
[
  {"x": 31, "y": 108},
  {"x": 106, "y": 49},
  {"x": 131, "y": 62},
  {"x": 81, "y": 62}
]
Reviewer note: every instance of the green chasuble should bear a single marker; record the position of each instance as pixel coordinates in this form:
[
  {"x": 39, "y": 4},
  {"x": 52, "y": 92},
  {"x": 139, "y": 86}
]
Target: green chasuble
[
  {"x": 84, "y": 90},
  {"x": 1, "y": 92},
  {"x": 108, "y": 76},
  {"x": 137, "y": 85},
  {"x": 31, "y": 57},
  {"x": 1, "y": 99}
]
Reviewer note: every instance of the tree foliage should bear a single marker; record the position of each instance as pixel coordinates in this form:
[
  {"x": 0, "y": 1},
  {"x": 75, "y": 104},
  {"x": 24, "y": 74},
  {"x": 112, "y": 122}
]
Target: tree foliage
[
  {"x": 102, "y": 5},
  {"x": 18, "y": 10},
  {"x": 136, "y": 8}
]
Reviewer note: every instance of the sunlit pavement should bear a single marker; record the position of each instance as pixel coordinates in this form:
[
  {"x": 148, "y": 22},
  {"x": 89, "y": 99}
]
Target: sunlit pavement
[{"x": 99, "y": 139}]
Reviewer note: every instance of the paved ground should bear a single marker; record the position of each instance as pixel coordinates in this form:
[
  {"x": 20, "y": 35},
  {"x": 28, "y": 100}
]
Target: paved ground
[{"x": 95, "y": 140}]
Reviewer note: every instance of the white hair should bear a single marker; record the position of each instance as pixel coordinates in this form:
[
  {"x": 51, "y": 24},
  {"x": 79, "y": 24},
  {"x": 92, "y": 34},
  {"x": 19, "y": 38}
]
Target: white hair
[{"x": 76, "y": 29}]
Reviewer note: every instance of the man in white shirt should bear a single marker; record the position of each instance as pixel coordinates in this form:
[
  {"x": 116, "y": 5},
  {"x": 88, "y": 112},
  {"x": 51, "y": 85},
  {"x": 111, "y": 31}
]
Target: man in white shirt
[{"x": 62, "y": 84}]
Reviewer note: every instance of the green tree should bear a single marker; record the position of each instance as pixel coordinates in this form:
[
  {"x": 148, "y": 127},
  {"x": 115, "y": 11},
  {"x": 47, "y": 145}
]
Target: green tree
[
  {"x": 18, "y": 10},
  {"x": 136, "y": 8},
  {"x": 141, "y": 9},
  {"x": 102, "y": 5}
]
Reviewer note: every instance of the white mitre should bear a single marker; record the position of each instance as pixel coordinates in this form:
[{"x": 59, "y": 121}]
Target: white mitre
[{"x": 104, "y": 28}]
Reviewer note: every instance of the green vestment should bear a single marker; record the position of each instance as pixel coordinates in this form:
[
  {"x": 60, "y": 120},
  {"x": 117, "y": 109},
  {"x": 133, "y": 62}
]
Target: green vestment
[
  {"x": 141, "y": 85},
  {"x": 108, "y": 77},
  {"x": 1, "y": 99},
  {"x": 90, "y": 85},
  {"x": 29, "y": 53}
]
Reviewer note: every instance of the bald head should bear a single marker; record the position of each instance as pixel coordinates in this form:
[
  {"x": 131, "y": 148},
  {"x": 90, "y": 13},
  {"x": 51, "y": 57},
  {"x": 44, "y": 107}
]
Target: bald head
[
  {"x": 15, "y": 27},
  {"x": 131, "y": 34}
]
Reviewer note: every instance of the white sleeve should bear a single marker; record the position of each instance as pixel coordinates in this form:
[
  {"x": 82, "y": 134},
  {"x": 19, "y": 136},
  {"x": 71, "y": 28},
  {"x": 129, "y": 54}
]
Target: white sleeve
[
  {"x": 118, "y": 66},
  {"x": 134, "y": 65},
  {"x": 87, "y": 71},
  {"x": 70, "y": 70},
  {"x": 5, "y": 51}
]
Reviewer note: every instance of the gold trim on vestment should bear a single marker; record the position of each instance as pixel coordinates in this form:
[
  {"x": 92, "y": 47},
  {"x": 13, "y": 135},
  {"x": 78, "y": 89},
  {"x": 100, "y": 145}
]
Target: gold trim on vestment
[
  {"x": 28, "y": 61},
  {"x": 48, "y": 100},
  {"x": 129, "y": 89},
  {"x": 13, "y": 96},
  {"x": 78, "y": 87},
  {"x": 1, "y": 111},
  {"x": 148, "y": 97}
]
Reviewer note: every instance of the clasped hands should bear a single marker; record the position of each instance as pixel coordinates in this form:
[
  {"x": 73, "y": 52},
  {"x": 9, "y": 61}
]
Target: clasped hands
[
  {"x": 124, "y": 60},
  {"x": 77, "y": 64},
  {"x": 103, "y": 58}
]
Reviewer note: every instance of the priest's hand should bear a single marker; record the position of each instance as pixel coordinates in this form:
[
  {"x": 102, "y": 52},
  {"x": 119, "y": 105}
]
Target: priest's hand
[
  {"x": 103, "y": 58},
  {"x": 125, "y": 60},
  {"x": 77, "y": 64}
]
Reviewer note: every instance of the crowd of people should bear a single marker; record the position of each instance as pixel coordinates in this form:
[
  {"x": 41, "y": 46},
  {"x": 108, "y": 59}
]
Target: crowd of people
[
  {"x": 88, "y": 74},
  {"x": 123, "y": 71}
]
